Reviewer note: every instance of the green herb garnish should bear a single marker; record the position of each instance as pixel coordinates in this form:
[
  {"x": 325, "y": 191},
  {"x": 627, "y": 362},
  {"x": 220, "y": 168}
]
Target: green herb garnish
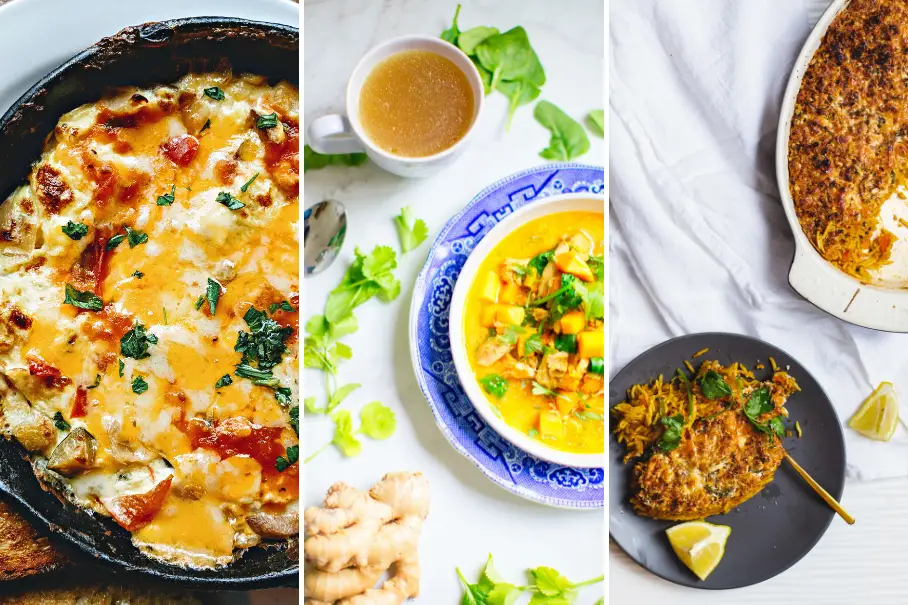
[
  {"x": 115, "y": 241},
  {"x": 212, "y": 294},
  {"x": 283, "y": 306},
  {"x": 249, "y": 182},
  {"x": 714, "y": 386},
  {"x": 59, "y": 422},
  {"x": 223, "y": 381},
  {"x": 139, "y": 385},
  {"x": 75, "y": 231},
  {"x": 82, "y": 300},
  {"x": 135, "y": 343},
  {"x": 137, "y": 274},
  {"x": 215, "y": 93},
  {"x": 228, "y": 200},
  {"x": 671, "y": 434},
  {"x": 293, "y": 454},
  {"x": 266, "y": 121},
  {"x": 135, "y": 238},
  {"x": 96, "y": 383},
  {"x": 411, "y": 231},
  {"x": 568, "y": 139},
  {"x": 168, "y": 198}
]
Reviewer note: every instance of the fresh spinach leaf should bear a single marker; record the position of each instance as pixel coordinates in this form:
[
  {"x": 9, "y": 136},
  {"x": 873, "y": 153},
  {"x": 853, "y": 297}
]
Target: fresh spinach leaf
[
  {"x": 312, "y": 160},
  {"x": 568, "y": 139},
  {"x": 451, "y": 34},
  {"x": 473, "y": 37},
  {"x": 509, "y": 56}
]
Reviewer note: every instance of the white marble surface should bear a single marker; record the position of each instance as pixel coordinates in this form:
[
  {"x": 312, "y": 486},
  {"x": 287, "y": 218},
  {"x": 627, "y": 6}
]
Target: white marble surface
[{"x": 470, "y": 516}]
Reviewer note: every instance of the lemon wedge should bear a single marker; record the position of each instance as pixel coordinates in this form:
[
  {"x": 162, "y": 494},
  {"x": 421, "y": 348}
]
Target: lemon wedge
[
  {"x": 699, "y": 545},
  {"x": 878, "y": 416}
]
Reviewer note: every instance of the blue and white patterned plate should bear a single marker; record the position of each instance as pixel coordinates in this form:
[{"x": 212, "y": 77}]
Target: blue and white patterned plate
[{"x": 509, "y": 467}]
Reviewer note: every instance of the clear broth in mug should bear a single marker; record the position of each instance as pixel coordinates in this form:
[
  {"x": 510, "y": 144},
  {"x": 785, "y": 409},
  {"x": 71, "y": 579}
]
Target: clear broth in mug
[{"x": 416, "y": 103}]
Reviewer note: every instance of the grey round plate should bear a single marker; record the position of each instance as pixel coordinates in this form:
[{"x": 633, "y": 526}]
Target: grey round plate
[{"x": 774, "y": 529}]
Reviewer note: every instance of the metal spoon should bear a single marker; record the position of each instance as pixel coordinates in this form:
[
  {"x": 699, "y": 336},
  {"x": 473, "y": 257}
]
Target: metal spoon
[{"x": 324, "y": 229}]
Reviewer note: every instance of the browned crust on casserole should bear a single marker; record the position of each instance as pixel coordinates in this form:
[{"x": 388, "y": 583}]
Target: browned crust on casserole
[{"x": 849, "y": 134}]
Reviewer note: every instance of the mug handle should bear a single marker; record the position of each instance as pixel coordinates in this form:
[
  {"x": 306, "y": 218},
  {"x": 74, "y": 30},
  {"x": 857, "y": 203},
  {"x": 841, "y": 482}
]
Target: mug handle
[{"x": 332, "y": 135}]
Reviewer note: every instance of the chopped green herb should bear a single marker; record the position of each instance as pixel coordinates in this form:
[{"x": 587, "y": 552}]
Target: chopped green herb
[
  {"x": 264, "y": 344},
  {"x": 164, "y": 311},
  {"x": 205, "y": 127},
  {"x": 533, "y": 344},
  {"x": 714, "y": 386},
  {"x": 168, "y": 198},
  {"x": 293, "y": 454},
  {"x": 597, "y": 365},
  {"x": 283, "y": 306},
  {"x": 283, "y": 395},
  {"x": 59, "y": 422},
  {"x": 120, "y": 370},
  {"x": 494, "y": 384},
  {"x": 266, "y": 121},
  {"x": 566, "y": 343},
  {"x": 411, "y": 231},
  {"x": 671, "y": 434},
  {"x": 82, "y": 300},
  {"x": 96, "y": 383},
  {"x": 199, "y": 302},
  {"x": 135, "y": 238},
  {"x": 138, "y": 274},
  {"x": 223, "y": 381},
  {"x": 228, "y": 200},
  {"x": 115, "y": 241},
  {"x": 295, "y": 419},
  {"x": 75, "y": 231},
  {"x": 139, "y": 385},
  {"x": 249, "y": 182},
  {"x": 312, "y": 160},
  {"x": 135, "y": 343},
  {"x": 212, "y": 294},
  {"x": 539, "y": 262},
  {"x": 215, "y": 93}
]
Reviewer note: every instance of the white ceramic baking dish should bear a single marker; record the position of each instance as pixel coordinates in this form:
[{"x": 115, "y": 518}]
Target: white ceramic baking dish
[{"x": 881, "y": 305}]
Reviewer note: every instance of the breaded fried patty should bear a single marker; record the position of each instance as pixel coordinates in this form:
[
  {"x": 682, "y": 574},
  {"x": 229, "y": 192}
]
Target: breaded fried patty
[{"x": 721, "y": 462}]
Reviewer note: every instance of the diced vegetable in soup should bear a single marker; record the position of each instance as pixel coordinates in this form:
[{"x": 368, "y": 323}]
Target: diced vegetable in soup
[{"x": 534, "y": 329}]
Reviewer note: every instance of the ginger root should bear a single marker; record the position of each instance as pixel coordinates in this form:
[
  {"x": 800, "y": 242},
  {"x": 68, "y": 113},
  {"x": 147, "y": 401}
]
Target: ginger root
[{"x": 357, "y": 536}]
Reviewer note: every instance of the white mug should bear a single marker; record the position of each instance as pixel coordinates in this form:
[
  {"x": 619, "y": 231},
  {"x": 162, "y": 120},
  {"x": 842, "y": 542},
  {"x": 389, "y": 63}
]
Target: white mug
[{"x": 335, "y": 133}]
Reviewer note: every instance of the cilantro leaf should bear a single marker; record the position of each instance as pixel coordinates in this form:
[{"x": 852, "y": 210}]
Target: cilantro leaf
[
  {"x": 283, "y": 306},
  {"x": 340, "y": 394},
  {"x": 228, "y": 200},
  {"x": 75, "y": 231},
  {"x": 139, "y": 385},
  {"x": 215, "y": 93},
  {"x": 135, "y": 343},
  {"x": 59, "y": 422},
  {"x": 115, "y": 241},
  {"x": 137, "y": 274},
  {"x": 223, "y": 381},
  {"x": 377, "y": 421},
  {"x": 96, "y": 383},
  {"x": 82, "y": 300},
  {"x": 120, "y": 369},
  {"x": 411, "y": 230},
  {"x": 295, "y": 419},
  {"x": 264, "y": 344},
  {"x": 135, "y": 238},
  {"x": 212, "y": 294},
  {"x": 168, "y": 198},
  {"x": 451, "y": 34},
  {"x": 293, "y": 454},
  {"x": 344, "y": 437},
  {"x": 494, "y": 384}
]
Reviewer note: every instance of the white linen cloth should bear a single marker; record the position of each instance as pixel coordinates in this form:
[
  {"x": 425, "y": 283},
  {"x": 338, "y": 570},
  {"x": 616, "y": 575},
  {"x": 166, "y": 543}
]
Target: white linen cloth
[{"x": 698, "y": 237}]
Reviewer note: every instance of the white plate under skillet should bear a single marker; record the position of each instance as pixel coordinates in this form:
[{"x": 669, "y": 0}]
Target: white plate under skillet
[{"x": 881, "y": 305}]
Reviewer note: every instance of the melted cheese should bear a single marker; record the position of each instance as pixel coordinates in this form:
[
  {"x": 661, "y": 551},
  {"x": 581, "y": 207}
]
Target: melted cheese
[{"x": 105, "y": 167}]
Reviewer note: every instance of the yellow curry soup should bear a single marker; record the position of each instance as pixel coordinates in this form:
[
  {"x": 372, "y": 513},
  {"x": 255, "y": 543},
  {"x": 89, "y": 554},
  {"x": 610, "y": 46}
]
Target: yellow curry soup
[{"x": 534, "y": 330}]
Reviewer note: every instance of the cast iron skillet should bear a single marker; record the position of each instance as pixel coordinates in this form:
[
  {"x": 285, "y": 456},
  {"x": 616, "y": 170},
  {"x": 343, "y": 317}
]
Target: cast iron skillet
[
  {"x": 153, "y": 53},
  {"x": 774, "y": 529}
]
